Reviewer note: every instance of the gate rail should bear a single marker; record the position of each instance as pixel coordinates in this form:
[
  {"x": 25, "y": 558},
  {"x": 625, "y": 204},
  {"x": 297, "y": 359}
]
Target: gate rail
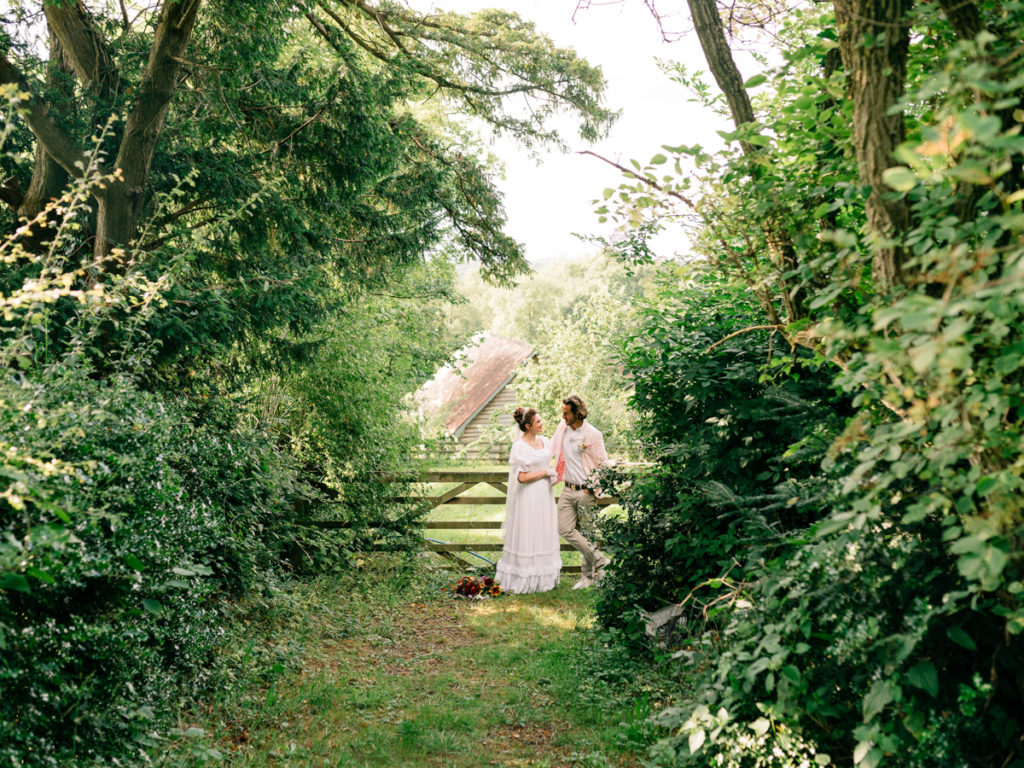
[{"x": 467, "y": 480}]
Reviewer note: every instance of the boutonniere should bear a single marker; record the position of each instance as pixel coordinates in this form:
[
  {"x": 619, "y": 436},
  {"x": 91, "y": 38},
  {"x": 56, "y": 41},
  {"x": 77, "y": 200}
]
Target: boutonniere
[{"x": 584, "y": 446}]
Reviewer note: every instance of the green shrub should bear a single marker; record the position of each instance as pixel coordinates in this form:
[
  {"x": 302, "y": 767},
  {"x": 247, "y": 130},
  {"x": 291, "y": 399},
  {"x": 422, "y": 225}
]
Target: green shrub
[
  {"x": 127, "y": 518},
  {"x": 736, "y": 449}
]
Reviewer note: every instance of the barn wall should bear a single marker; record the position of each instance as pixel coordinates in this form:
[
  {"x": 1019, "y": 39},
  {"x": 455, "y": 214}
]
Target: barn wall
[{"x": 500, "y": 407}]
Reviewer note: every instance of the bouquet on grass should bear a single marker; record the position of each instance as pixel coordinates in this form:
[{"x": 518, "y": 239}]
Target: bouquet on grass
[{"x": 474, "y": 588}]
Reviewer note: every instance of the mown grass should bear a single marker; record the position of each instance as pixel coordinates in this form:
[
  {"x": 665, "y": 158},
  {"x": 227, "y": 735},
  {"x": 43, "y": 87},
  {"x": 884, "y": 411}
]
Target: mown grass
[{"x": 386, "y": 670}]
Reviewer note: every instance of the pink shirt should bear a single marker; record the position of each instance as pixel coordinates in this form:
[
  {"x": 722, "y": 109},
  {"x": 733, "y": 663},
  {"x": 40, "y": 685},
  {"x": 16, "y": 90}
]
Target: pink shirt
[{"x": 593, "y": 456}]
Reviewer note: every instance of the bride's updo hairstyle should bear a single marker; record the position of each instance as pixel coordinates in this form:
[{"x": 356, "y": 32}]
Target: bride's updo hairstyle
[{"x": 524, "y": 418}]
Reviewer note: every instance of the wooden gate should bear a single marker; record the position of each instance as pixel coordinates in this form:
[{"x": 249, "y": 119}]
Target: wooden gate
[{"x": 467, "y": 480}]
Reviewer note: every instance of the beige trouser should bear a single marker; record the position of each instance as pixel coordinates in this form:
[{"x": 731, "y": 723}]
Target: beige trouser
[{"x": 575, "y": 507}]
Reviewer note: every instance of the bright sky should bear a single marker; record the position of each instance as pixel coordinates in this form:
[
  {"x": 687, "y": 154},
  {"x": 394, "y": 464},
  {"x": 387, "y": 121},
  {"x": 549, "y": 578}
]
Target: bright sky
[{"x": 546, "y": 204}]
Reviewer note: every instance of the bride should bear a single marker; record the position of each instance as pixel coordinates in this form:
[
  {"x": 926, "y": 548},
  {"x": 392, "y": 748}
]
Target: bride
[{"x": 530, "y": 560}]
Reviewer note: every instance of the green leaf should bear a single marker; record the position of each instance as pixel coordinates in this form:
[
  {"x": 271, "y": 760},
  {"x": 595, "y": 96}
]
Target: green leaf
[
  {"x": 43, "y": 576},
  {"x": 134, "y": 563},
  {"x": 900, "y": 178},
  {"x": 880, "y": 694},
  {"x": 986, "y": 485},
  {"x": 760, "y": 726},
  {"x": 14, "y": 581},
  {"x": 153, "y": 606},
  {"x": 961, "y": 638},
  {"x": 861, "y": 750},
  {"x": 923, "y": 675},
  {"x": 755, "y": 81},
  {"x": 696, "y": 740},
  {"x": 659, "y": 159},
  {"x": 971, "y": 172}
]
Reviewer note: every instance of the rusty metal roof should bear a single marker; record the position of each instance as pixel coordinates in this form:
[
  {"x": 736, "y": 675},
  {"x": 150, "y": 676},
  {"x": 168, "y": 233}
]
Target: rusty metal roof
[{"x": 462, "y": 392}]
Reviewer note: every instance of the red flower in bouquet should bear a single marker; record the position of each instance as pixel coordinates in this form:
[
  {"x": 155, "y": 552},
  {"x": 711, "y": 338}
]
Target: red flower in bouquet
[{"x": 474, "y": 588}]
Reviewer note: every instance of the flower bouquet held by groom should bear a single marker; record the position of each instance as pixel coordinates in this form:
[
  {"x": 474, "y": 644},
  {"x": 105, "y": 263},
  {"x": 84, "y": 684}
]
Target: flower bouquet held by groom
[{"x": 578, "y": 448}]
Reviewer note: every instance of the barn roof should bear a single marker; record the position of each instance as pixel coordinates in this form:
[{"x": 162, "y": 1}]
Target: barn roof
[{"x": 464, "y": 391}]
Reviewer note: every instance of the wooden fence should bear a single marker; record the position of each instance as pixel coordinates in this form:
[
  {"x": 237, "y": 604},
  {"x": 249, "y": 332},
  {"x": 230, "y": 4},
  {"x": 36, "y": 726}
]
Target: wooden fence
[{"x": 466, "y": 480}]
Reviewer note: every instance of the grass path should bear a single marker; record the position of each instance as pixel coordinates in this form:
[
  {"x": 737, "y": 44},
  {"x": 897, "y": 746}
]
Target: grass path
[{"x": 389, "y": 671}]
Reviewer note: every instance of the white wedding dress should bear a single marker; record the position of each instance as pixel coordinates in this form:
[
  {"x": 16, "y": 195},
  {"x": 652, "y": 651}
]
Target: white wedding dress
[{"x": 530, "y": 560}]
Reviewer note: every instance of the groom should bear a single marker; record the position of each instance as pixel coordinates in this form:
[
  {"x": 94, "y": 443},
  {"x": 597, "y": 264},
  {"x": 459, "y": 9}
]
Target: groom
[{"x": 578, "y": 449}]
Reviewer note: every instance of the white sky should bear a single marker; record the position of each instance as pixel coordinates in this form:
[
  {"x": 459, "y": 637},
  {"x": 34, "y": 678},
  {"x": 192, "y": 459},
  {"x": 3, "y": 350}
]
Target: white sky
[{"x": 546, "y": 204}]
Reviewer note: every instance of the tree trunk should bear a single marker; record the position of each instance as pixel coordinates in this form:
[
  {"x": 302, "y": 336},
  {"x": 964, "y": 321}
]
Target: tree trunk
[
  {"x": 84, "y": 46},
  {"x": 711, "y": 34},
  {"x": 121, "y": 202},
  {"x": 48, "y": 177},
  {"x": 874, "y": 38}
]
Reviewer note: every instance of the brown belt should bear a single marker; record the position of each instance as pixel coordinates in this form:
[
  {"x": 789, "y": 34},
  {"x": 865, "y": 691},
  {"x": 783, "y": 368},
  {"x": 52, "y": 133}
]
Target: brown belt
[{"x": 576, "y": 487}]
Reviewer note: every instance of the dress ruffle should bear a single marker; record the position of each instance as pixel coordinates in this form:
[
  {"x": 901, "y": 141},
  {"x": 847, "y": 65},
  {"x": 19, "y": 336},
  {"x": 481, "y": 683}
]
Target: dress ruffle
[
  {"x": 522, "y": 573},
  {"x": 524, "y": 585}
]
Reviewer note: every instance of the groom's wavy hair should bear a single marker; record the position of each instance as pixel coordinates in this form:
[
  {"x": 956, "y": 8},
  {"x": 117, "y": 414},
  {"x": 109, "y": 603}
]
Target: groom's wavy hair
[{"x": 577, "y": 406}]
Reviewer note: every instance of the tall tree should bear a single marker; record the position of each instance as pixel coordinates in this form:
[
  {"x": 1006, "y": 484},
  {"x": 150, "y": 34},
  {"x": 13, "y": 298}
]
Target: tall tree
[
  {"x": 874, "y": 36},
  {"x": 479, "y": 61},
  {"x": 262, "y": 148}
]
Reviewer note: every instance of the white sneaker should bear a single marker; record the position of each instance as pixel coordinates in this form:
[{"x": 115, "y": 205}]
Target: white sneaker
[
  {"x": 599, "y": 567},
  {"x": 583, "y": 583}
]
